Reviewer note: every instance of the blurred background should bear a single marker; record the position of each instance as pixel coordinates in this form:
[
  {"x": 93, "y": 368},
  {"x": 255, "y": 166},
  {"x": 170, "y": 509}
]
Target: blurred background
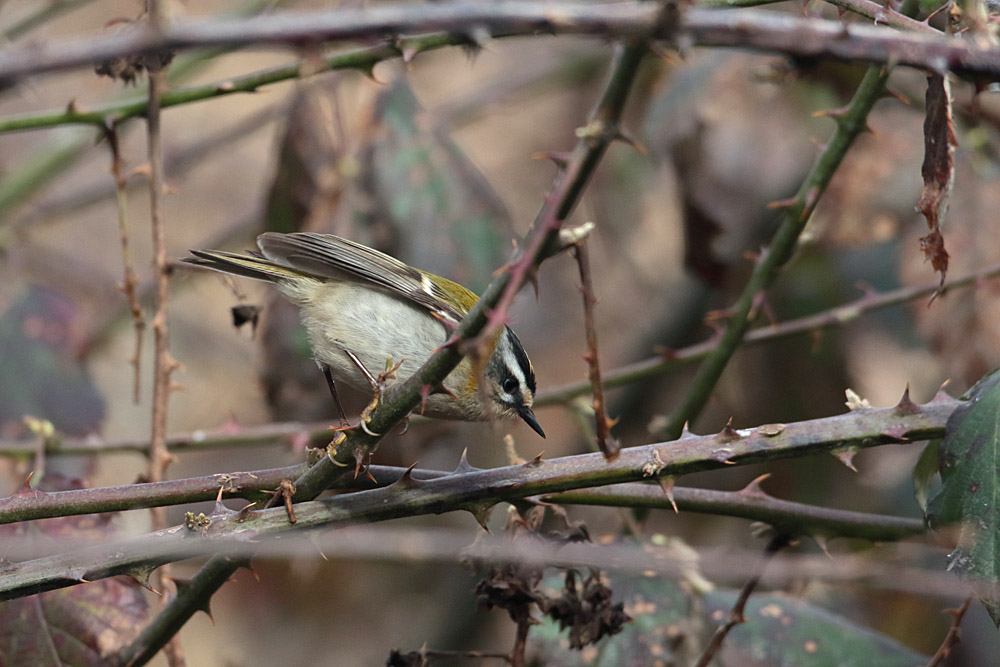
[{"x": 435, "y": 162}]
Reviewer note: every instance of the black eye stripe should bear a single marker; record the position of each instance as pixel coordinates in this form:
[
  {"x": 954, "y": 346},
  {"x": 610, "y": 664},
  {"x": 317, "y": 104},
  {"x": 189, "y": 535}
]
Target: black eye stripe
[{"x": 522, "y": 361}]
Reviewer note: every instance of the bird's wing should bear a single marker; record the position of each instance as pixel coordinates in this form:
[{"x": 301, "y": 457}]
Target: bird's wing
[{"x": 328, "y": 256}]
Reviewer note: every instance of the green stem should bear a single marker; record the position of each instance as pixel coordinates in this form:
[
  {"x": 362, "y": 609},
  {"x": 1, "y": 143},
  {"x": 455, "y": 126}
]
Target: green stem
[
  {"x": 772, "y": 259},
  {"x": 119, "y": 111}
]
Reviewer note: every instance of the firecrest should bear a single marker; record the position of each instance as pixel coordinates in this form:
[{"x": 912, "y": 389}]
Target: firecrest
[{"x": 361, "y": 307}]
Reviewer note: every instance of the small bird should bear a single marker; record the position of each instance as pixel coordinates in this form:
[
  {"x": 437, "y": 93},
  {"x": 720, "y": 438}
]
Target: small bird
[{"x": 362, "y": 308}]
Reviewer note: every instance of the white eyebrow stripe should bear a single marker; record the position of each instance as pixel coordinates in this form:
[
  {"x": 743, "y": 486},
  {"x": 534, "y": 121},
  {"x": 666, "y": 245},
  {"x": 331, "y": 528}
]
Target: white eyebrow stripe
[{"x": 510, "y": 361}]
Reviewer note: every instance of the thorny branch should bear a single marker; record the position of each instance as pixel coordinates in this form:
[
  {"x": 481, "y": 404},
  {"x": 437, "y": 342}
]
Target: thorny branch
[
  {"x": 883, "y": 14},
  {"x": 114, "y": 113},
  {"x": 952, "y": 636},
  {"x": 164, "y": 364},
  {"x": 478, "y": 490},
  {"x": 838, "y": 316},
  {"x": 789, "y": 518},
  {"x": 899, "y": 569},
  {"x": 605, "y": 441},
  {"x": 227, "y": 436},
  {"x": 747, "y": 29},
  {"x": 751, "y": 503},
  {"x": 129, "y": 280},
  {"x": 736, "y": 617}
]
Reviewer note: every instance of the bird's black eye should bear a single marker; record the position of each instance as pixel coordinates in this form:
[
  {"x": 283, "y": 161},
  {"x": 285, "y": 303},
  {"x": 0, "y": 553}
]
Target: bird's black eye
[{"x": 509, "y": 385}]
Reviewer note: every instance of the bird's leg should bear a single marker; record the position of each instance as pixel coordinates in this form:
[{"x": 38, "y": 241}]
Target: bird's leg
[
  {"x": 333, "y": 392},
  {"x": 377, "y": 385}
]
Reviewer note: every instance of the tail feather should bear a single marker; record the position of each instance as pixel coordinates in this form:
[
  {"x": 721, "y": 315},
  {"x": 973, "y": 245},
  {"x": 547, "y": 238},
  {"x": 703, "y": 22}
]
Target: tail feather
[{"x": 248, "y": 266}]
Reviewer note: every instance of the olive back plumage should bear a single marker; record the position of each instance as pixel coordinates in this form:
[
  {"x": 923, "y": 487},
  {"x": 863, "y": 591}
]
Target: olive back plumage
[{"x": 328, "y": 256}]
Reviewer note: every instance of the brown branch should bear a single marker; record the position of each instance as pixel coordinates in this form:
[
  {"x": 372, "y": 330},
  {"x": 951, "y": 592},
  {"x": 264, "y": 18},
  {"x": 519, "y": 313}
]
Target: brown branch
[
  {"x": 129, "y": 280},
  {"x": 905, "y": 569},
  {"x": 883, "y": 14},
  {"x": 227, "y": 436},
  {"x": 952, "y": 636},
  {"x": 517, "y": 653},
  {"x": 164, "y": 364},
  {"x": 736, "y": 617},
  {"x": 790, "y": 518},
  {"x": 753, "y": 29},
  {"x": 25, "y": 506},
  {"x": 787, "y": 517},
  {"x": 607, "y": 443},
  {"x": 575, "y": 171},
  {"x": 834, "y": 317}
]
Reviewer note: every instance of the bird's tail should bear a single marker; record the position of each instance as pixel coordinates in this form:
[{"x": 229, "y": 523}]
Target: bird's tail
[{"x": 250, "y": 266}]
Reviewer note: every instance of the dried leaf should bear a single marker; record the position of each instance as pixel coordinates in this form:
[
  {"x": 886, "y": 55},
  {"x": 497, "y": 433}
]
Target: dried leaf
[
  {"x": 938, "y": 169},
  {"x": 81, "y": 625}
]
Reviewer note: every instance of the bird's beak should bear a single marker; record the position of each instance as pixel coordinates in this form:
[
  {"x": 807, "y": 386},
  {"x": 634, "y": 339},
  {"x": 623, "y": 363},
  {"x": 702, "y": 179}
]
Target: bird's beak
[{"x": 525, "y": 413}]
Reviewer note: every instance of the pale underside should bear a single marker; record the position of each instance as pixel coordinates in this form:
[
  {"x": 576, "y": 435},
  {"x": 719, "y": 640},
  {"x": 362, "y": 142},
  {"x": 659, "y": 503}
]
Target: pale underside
[{"x": 341, "y": 316}]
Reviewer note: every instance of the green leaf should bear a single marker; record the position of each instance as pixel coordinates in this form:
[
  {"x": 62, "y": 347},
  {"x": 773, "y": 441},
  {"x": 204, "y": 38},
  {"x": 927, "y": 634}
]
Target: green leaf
[
  {"x": 671, "y": 626},
  {"x": 924, "y": 471},
  {"x": 781, "y": 630},
  {"x": 662, "y": 628},
  {"x": 428, "y": 195},
  {"x": 970, "y": 487}
]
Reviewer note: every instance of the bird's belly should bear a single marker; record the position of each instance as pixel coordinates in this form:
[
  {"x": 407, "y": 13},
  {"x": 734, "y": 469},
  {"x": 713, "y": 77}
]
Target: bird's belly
[{"x": 374, "y": 326}]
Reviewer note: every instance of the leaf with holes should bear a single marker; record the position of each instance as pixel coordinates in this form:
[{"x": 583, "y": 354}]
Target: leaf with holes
[{"x": 970, "y": 487}]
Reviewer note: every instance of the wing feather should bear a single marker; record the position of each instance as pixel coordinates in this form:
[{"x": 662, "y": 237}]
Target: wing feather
[{"x": 329, "y": 256}]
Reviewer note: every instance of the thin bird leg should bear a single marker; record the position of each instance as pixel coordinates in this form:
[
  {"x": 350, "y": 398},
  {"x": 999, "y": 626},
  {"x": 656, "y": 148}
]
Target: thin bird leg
[
  {"x": 336, "y": 397},
  {"x": 376, "y": 389}
]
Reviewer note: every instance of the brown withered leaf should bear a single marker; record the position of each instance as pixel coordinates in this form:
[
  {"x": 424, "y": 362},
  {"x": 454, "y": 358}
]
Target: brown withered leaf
[
  {"x": 938, "y": 169},
  {"x": 80, "y": 625},
  {"x": 128, "y": 70},
  {"x": 586, "y": 610},
  {"x": 246, "y": 314}
]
